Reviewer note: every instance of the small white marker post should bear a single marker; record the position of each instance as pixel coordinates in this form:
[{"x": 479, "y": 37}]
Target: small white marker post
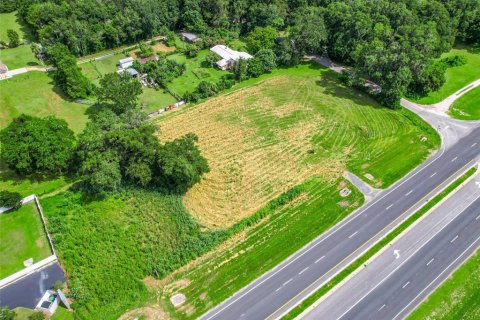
[{"x": 396, "y": 253}]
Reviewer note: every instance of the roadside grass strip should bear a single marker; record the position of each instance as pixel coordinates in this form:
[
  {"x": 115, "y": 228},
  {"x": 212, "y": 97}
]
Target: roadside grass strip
[
  {"x": 467, "y": 107},
  {"x": 376, "y": 248},
  {"x": 457, "y": 298}
]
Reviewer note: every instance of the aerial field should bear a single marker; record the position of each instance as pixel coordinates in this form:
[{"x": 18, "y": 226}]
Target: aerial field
[
  {"x": 21, "y": 237},
  {"x": 9, "y": 21},
  {"x": 33, "y": 93},
  {"x": 456, "y": 77},
  {"x": 467, "y": 107},
  {"x": 296, "y": 124}
]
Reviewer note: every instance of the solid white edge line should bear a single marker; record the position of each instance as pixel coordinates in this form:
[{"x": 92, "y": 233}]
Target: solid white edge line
[
  {"x": 325, "y": 236},
  {"x": 404, "y": 261},
  {"x": 434, "y": 280}
]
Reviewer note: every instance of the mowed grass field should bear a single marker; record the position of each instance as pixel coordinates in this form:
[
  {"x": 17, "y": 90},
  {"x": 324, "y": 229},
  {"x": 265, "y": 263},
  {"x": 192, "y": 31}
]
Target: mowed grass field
[
  {"x": 33, "y": 93},
  {"x": 297, "y": 123},
  {"x": 9, "y": 21},
  {"x": 457, "y": 298},
  {"x": 456, "y": 77},
  {"x": 467, "y": 107},
  {"x": 195, "y": 72},
  {"x": 21, "y": 237},
  {"x": 22, "y": 55},
  {"x": 150, "y": 99}
]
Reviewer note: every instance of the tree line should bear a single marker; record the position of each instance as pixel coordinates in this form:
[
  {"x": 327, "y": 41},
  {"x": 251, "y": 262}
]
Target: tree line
[
  {"x": 116, "y": 148},
  {"x": 391, "y": 42}
]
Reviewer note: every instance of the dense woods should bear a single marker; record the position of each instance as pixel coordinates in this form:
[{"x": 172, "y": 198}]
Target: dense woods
[{"x": 393, "y": 43}]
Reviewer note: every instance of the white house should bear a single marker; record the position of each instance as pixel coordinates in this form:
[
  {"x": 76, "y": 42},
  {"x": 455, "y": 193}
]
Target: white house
[
  {"x": 125, "y": 63},
  {"x": 229, "y": 56}
]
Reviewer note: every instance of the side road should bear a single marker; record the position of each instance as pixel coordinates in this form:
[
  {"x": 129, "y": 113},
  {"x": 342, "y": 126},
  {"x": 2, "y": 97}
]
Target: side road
[{"x": 397, "y": 280}]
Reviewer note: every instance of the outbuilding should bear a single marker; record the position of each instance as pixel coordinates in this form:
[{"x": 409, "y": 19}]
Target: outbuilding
[
  {"x": 229, "y": 56},
  {"x": 125, "y": 63},
  {"x": 190, "y": 37}
]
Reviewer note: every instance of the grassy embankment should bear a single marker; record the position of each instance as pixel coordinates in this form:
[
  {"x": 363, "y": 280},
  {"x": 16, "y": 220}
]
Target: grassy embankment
[
  {"x": 298, "y": 127},
  {"x": 21, "y": 237},
  {"x": 467, "y": 107},
  {"x": 456, "y": 77},
  {"x": 457, "y": 298},
  {"x": 377, "y": 247}
]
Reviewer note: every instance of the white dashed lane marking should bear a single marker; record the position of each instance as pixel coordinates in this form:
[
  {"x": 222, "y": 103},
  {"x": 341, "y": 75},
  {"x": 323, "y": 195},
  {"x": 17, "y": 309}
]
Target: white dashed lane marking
[{"x": 352, "y": 235}]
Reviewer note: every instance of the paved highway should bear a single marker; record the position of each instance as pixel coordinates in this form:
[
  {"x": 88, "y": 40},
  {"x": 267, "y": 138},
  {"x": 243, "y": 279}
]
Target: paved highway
[
  {"x": 396, "y": 281},
  {"x": 277, "y": 291}
]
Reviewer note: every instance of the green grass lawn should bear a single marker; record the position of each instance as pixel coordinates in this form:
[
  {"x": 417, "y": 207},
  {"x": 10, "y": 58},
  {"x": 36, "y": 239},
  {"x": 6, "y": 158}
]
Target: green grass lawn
[
  {"x": 18, "y": 57},
  {"x": 456, "y": 77},
  {"x": 152, "y": 99},
  {"x": 457, "y": 298},
  {"x": 21, "y": 237},
  {"x": 195, "y": 73},
  {"x": 467, "y": 107},
  {"x": 33, "y": 93},
  {"x": 94, "y": 70},
  {"x": 60, "y": 314},
  {"x": 9, "y": 21}
]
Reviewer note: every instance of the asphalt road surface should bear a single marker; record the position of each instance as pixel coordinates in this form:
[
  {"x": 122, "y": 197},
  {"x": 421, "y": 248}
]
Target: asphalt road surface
[
  {"x": 405, "y": 273},
  {"x": 27, "y": 291},
  {"x": 279, "y": 290}
]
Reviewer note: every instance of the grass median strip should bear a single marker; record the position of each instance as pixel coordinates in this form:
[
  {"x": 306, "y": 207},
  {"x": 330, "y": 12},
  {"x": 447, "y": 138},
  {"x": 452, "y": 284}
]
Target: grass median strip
[{"x": 376, "y": 248}]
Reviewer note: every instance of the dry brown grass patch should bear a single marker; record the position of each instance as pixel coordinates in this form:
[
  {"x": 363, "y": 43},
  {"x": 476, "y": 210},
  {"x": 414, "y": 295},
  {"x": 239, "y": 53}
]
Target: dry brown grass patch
[{"x": 247, "y": 168}]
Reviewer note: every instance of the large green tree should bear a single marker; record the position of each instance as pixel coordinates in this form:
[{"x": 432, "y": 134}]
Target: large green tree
[
  {"x": 261, "y": 38},
  {"x": 37, "y": 145},
  {"x": 68, "y": 75},
  {"x": 181, "y": 164},
  {"x": 119, "y": 93}
]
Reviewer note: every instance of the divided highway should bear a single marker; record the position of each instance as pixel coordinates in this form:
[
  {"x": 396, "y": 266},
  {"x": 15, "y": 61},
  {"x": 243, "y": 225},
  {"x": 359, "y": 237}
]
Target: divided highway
[
  {"x": 397, "y": 280},
  {"x": 279, "y": 290}
]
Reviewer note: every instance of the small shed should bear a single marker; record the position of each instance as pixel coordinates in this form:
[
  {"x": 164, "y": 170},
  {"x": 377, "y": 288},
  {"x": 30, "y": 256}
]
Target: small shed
[
  {"x": 49, "y": 302},
  {"x": 190, "y": 37},
  {"x": 125, "y": 63},
  {"x": 134, "y": 73},
  {"x": 151, "y": 58}
]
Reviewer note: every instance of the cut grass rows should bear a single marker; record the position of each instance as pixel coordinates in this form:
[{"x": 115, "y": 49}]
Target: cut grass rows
[
  {"x": 300, "y": 122},
  {"x": 377, "y": 247}
]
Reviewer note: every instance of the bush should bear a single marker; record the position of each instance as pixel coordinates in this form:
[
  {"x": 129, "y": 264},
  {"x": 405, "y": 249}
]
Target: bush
[
  {"x": 10, "y": 200},
  {"x": 37, "y": 145},
  {"x": 454, "y": 61},
  {"x": 37, "y": 315}
]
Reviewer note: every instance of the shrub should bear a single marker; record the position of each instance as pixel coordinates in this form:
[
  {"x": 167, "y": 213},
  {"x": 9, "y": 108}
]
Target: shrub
[{"x": 10, "y": 200}]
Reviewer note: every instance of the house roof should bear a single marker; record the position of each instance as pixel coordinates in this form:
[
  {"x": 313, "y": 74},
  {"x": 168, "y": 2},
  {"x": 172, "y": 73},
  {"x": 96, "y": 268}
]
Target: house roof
[
  {"x": 126, "y": 60},
  {"x": 132, "y": 72},
  {"x": 145, "y": 60},
  {"x": 189, "y": 36},
  {"x": 229, "y": 54}
]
